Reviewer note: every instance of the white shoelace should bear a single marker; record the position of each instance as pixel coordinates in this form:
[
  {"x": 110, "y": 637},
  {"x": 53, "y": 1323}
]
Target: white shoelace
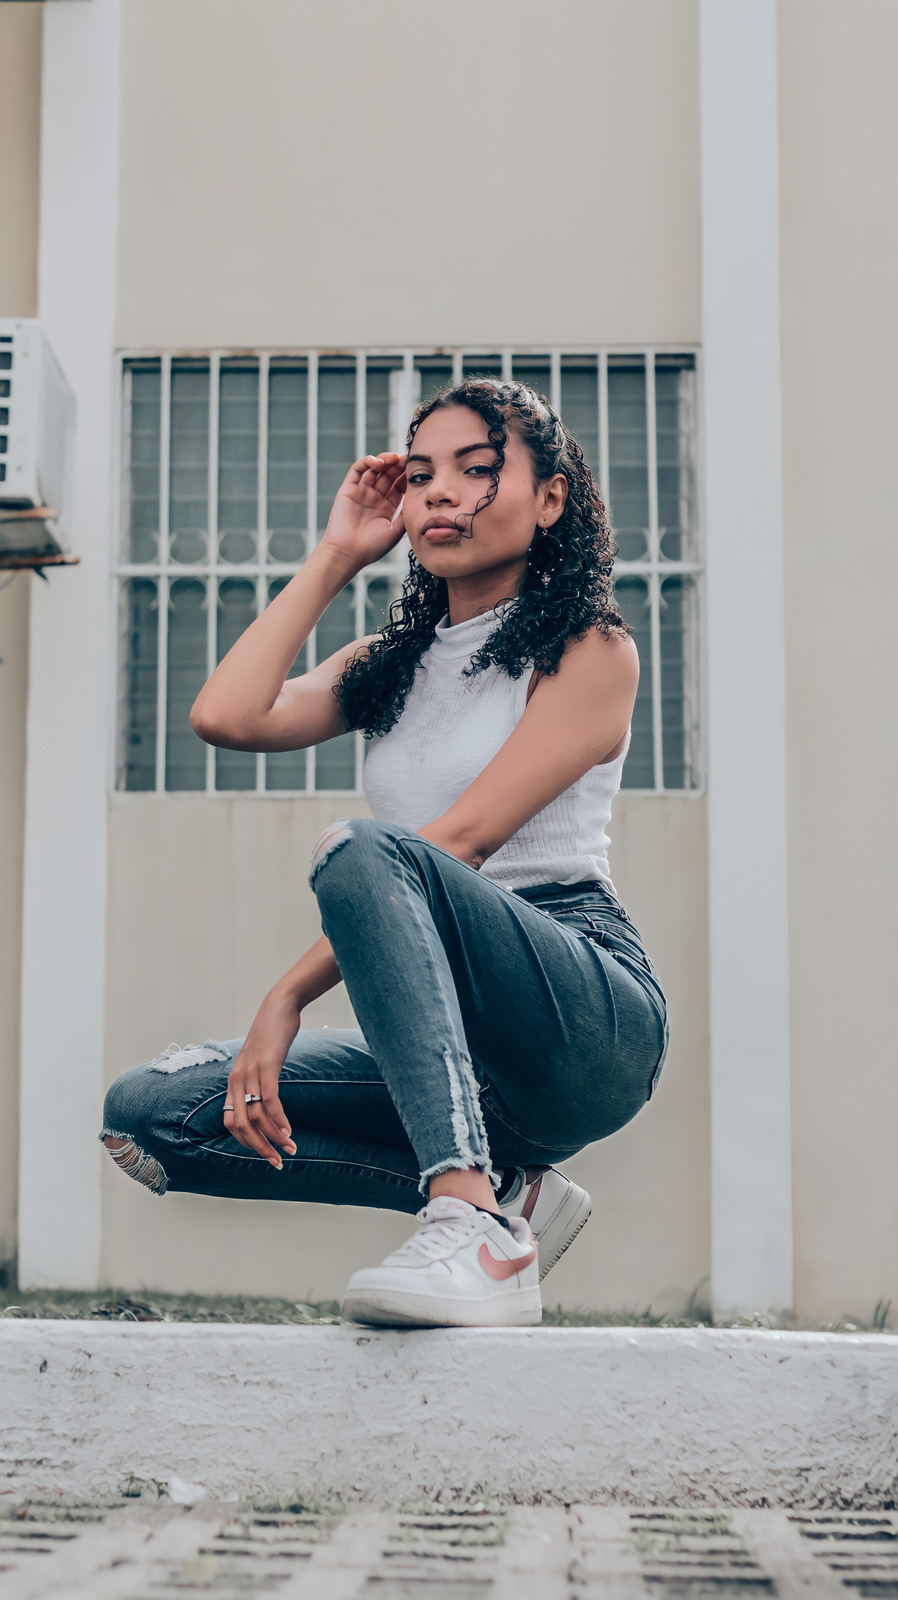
[{"x": 433, "y": 1238}]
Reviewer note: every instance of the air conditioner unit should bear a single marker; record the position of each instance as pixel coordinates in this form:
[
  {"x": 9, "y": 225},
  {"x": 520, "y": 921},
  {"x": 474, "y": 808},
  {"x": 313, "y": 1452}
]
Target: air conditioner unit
[{"x": 37, "y": 430}]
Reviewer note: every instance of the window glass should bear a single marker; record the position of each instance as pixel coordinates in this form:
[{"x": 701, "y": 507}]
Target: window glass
[
  {"x": 238, "y": 461},
  {"x": 335, "y": 763},
  {"x": 580, "y": 405},
  {"x": 632, "y": 596},
  {"x": 288, "y": 459},
  {"x": 482, "y": 366},
  {"x": 335, "y": 759},
  {"x": 678, "y": 688},
  {"x": 286, "y": 769},
  {"x": 185, "y": 753},
  {"x": 380, "y": 385},
  {"x": 234, "y": 769},
  {"x": 141, "y": 488},
  {"x": 675, "y": 425},
  {"x": 378, "y": 594},
  {"x": 628, "y": 458},
  {"x": 535, "y": 371},
  {"x": 336, "y": 429},
  {"x": 434, "y": 372},
  {"x": 189, "y": 458},
  {"x": 138, "y": 672}
]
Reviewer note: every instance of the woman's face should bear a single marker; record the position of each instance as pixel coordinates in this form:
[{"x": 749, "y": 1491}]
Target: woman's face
[{"x": 448, "y": 474}]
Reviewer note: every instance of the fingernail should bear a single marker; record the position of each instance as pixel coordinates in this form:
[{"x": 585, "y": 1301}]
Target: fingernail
[
  {"x": 277, "y": 1165},
  {"x": 290, "y": 1147}
]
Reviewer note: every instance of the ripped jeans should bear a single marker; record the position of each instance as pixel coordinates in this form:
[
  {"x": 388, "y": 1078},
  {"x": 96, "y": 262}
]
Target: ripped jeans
[{"x": 498, "y": 1029}]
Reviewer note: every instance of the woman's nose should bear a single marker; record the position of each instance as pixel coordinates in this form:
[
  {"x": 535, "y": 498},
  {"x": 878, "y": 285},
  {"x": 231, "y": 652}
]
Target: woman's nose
[{"x": 441, "y": 492}]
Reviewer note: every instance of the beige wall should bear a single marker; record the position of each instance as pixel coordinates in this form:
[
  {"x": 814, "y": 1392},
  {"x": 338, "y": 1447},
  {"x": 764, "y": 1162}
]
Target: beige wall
[
  {"x": 208, "y": 904},
  {"x": 13, "y": 682},
  {"x": 20, "y": 64},
  {"x": 358, "y": 174},
  {"x": 20, "y": 51},
  {"x": 839, "y": 130},
  {"x": 275, "y": 185}
]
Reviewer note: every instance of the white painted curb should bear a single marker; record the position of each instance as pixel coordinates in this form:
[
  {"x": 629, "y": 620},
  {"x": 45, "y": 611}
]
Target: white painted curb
[{"x": 531, "y": 1415}]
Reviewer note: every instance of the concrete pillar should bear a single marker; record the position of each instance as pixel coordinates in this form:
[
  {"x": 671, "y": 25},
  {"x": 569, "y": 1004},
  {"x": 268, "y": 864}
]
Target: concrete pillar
[
  {"x": 751, "y": 1205},
  {"x": 70, "y": 670}
]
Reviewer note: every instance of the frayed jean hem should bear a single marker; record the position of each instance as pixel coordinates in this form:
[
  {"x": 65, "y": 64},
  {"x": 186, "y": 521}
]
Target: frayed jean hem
[{"x": 453, "y": 1165}]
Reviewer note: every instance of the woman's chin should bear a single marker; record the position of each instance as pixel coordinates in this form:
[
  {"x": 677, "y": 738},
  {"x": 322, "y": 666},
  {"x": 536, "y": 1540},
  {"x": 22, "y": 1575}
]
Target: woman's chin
[
  {"x": 459, "y": 559},
  {"x": 445, "y": 560}
]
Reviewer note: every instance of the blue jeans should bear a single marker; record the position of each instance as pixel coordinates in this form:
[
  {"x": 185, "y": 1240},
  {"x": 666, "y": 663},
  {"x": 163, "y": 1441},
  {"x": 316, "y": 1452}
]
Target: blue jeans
[{"x": 497, "y": 1029}]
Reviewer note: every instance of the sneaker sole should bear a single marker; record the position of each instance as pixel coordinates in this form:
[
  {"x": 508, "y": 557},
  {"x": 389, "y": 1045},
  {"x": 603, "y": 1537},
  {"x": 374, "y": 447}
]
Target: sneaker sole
[
  {"x": 430, "y": 1311},
  {"x": 561, "y": 1230}
]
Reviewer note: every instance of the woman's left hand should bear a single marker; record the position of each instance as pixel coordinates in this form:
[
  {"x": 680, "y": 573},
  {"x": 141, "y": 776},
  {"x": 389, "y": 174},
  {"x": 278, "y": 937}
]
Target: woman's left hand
[
  {"x": 366, "y": 518},
  {"x": 254, "y": 1115}
]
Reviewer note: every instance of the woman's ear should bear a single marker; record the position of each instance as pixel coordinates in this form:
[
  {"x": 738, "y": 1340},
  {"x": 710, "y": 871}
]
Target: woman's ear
[{"x": 555, "y": 495}]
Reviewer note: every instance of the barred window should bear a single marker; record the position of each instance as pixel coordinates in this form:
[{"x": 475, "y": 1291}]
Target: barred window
[{"x": 230, "y": 466}]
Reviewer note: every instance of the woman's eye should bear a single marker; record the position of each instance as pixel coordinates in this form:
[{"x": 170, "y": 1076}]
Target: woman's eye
[
  {"x": 417, "y": 477},
  {"x": 480, "y": 468}
]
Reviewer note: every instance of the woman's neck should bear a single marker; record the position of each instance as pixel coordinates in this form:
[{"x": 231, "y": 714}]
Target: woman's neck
[{"x": 471, "y": 596}]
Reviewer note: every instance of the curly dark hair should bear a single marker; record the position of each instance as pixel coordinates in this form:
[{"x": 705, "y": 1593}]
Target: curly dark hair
[{"x": 566, "y": 589}]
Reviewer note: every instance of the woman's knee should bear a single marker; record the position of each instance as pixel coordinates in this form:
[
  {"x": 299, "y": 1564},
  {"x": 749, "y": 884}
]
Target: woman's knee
[
  {"x": 137, "y": 1163},
  {"x": 125, "y": 1129},
  {"x": 145, "y": 1108},
  {"x": 346, "y": 836}
]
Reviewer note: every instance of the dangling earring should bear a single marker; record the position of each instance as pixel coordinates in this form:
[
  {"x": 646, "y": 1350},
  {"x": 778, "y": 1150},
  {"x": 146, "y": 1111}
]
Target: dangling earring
[
  {"x": 538, "y": 548},
  {"x": 555, "y": 557}
]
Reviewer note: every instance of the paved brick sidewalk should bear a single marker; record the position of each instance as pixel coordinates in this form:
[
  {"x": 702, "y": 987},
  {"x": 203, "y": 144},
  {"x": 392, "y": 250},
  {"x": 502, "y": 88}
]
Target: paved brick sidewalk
[{"x": 151, "y": 1550}]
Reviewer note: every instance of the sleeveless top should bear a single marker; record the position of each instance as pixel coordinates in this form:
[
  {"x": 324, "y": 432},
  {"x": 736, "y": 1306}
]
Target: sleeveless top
[{"x": 450, "y": 728}]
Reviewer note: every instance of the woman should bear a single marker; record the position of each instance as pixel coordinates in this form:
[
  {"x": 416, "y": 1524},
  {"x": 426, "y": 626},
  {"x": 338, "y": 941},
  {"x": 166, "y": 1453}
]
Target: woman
[{"x": 508, "y": 1012}]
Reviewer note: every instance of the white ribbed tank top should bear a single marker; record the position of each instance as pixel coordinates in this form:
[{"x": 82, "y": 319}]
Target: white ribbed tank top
[{"x": 450, "y": 728}]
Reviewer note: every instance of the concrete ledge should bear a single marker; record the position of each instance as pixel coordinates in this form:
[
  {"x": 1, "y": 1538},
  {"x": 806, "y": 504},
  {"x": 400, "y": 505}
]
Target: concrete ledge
[{"x": 681, "y": 1416}]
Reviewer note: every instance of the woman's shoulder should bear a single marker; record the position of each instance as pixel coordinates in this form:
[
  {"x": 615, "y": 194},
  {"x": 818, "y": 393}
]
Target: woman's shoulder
[
  {"x": 593, "y": 662},
  {"x": 610, "y": 655}
]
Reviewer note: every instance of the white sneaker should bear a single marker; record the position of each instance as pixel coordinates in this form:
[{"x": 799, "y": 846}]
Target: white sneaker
[
  {"x": 555, "y": 1208},
  {"x": 461, "y": 1269}
]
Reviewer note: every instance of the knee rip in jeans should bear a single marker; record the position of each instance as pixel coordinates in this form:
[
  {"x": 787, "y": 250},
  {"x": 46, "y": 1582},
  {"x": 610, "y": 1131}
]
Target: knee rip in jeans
[
  {"x": 136, "y": 1163},
  {"x": 175, "y": 1058},
  {"x": 339, "y": 832}
]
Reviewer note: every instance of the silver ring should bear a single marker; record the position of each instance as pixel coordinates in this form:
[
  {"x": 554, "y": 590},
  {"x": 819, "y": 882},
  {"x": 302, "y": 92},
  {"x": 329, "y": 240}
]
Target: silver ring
[{"x": 249, "y": 1098}]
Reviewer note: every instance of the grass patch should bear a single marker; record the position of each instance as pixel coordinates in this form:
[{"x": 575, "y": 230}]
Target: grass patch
[{"x": 113, "y": 1305}]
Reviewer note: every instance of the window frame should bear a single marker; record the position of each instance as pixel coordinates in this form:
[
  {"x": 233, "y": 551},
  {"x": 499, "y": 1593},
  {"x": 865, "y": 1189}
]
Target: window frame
[{"x": 653, "y": 569}]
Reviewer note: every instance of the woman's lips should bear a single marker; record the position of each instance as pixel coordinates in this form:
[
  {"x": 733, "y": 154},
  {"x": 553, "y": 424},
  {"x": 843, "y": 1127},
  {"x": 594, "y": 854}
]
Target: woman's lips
[{"x": 441, "y": 534}]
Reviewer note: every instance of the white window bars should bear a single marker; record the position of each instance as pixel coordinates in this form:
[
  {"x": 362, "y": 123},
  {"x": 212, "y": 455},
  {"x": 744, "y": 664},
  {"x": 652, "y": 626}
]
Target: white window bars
[{"x": 230, "y": 465}]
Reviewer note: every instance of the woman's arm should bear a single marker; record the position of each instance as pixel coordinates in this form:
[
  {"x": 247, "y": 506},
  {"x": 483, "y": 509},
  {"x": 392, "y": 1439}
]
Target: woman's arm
[
  {"x": 249, "y": 703},
  {"x": 574, "y": 719},
  {"x": 262, "y": 1124}
]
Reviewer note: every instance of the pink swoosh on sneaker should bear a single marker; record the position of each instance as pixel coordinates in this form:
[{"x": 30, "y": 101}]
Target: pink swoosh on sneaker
[{"x": 503, "y": 1269}]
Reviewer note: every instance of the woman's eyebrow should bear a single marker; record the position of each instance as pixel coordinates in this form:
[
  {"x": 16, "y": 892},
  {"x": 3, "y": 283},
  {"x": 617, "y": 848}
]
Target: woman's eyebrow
[{"x": 483, "y": 444}]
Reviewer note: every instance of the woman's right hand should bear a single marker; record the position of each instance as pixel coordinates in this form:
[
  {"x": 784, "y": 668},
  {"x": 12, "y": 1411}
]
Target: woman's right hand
[
  {"x": 261, "y": 1124},
  {"x": 366, "y": 519}
]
